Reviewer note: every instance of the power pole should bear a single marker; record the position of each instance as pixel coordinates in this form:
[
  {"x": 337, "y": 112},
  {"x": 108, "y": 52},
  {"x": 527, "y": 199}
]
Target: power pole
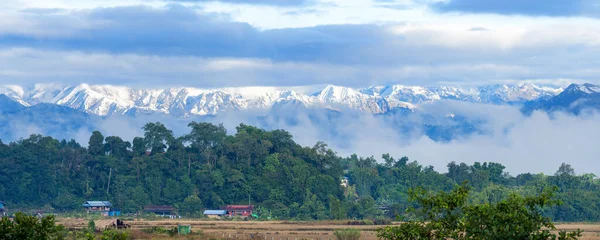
[{"x": 109, "y": 175}]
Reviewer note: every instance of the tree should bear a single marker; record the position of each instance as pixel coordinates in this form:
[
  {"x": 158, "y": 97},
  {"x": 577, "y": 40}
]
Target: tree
[
  {"x": 191, "y": 206},
  {"x": 157, "y": 137},
  {"x": 389, "y": 161},
  {"x": 96, "y": 144},
  {"x": 446, "y": 215},
  {"x": 206, "y": 135},
  {"x": 266, "y": 167},
  {"x": 115, "y": 146},
  {"x": 139, "y": 147},
  {"x": 336, "y": 209},
  {"x": 565, "y": 170},
  {"x": 30, "y": 227}
]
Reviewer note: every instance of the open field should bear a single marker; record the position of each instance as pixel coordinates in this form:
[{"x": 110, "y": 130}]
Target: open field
[{"x": 277, "y": 230}]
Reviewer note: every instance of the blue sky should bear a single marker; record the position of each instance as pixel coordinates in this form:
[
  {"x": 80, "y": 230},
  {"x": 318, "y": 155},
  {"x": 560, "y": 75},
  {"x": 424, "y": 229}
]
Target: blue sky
[{"x": 299, "y": 42}]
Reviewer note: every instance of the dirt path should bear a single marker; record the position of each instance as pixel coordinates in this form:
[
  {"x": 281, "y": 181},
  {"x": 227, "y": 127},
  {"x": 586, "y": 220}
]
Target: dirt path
[{"x": 279, "y": 230}]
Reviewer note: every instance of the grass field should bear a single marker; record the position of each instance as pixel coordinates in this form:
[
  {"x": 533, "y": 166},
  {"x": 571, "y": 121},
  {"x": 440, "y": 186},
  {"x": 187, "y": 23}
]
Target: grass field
[{"x": 273, "y": 230}]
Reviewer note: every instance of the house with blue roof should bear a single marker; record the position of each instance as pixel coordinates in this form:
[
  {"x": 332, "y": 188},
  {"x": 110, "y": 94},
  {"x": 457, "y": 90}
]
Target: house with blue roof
[
  {"x": 97, "y": 206},
  {"x": 215, "y": 214}
]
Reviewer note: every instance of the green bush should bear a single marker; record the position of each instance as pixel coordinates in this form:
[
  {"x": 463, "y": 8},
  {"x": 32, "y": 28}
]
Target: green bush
[
  {"x": 347, "y": 234},
  {"x": 24, "y": 226},
  {"x": 91, "y": 226},
  {"x": 447, "y": 216},
  {"x": 115, "y": 235}
]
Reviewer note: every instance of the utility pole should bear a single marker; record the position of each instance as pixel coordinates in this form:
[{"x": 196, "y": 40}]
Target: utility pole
[{"x": 109, "y": 175}]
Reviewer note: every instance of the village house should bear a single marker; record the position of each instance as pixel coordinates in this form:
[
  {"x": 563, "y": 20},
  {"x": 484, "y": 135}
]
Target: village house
[
  {"x": 215, "y": 214},
  {"x": 97, "y": 206},
  {"x": 239, "y": 210}
]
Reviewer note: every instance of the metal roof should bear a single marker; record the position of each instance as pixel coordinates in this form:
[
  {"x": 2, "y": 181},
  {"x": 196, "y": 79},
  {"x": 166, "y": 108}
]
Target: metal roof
[
  {"x": 215, "y": 212},
  {"x": 97, "y": 204}
]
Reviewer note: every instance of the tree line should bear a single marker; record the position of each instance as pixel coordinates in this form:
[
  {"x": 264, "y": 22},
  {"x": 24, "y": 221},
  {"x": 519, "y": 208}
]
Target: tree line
[{"x": 209, "y": 168}]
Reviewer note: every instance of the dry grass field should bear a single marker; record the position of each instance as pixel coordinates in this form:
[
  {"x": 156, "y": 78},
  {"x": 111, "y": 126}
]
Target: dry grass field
[{"x": 273, "y": 230}]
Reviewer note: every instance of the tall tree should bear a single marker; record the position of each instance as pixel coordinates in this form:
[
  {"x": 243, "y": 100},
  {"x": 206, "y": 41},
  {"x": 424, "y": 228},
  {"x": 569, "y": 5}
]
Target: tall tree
[
  {"x": 96, "y": 144},
  {"x": 157, "y": 137}
]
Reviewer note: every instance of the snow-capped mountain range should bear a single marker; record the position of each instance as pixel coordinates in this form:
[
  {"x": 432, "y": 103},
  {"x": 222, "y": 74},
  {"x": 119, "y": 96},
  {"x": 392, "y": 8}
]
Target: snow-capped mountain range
[
  {"x": 104, "y": 100},
  {"x": 574, "y": 99}
]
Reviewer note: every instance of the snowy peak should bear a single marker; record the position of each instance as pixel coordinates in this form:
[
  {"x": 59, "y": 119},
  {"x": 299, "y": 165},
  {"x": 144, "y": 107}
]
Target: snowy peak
[
  {"x": 336, "y": 96},
  {"x": 106, "y": 100},
  {"x": 333, "y": 93},
  {"x": 574, "y": 99},
  {"x": 16, "y": 93},
  {"x": 586, "y": 88}
]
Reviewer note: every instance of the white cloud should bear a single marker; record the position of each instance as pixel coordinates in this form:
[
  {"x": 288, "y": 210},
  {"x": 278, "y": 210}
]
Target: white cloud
[
  {"x": 30, "y": 66},
  {"x": 531, "y": 144}
]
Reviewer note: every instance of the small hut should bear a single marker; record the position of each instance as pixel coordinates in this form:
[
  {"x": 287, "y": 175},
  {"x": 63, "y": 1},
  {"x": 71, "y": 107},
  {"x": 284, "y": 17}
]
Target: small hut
[{"x": 215, "y": 214}]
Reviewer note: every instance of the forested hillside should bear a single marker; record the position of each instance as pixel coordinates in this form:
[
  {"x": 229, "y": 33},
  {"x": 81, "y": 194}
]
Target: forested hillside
[{"x": 208, "y": 168}]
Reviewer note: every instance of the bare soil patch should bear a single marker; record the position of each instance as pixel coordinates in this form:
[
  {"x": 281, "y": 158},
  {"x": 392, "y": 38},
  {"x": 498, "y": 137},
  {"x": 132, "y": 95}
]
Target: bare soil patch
[{"x": 280, "y": 230}]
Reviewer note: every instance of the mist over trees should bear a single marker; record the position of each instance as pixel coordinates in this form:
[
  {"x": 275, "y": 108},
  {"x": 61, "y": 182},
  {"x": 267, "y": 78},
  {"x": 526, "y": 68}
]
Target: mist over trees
[{"x": 207, "y": 168}]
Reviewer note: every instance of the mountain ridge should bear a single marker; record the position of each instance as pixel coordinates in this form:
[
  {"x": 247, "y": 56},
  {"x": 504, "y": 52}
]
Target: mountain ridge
[
  {"x": 574, "y": 99},
  {"x": 104, "y": 100}
]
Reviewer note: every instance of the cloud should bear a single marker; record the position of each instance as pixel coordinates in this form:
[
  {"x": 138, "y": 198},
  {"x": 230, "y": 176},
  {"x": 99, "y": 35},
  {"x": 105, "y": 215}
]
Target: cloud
[
  {"x": 520, "y": 7},
  {"x": 523, "y": 144},
  {"x": 257, "y": 2},
  {"x": 478, "y": 29},
  {"x": 29, "y": 66},
  {"x": 140, "y": 44},
  {"x": 536, "y": 143},
  {"x": 178, "y": 30}
]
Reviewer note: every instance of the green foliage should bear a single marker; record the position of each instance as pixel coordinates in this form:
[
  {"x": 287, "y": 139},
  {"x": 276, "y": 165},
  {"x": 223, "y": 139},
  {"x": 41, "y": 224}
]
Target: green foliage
[
  {"x": 207, "y": 169},
  {"x": 95, "y": 145},
  {"x": 446, "y": 215},
  {"x": 191, "y": 206},
  {"x": 160, "y": 230},
  {"x": 91, "y": 226},
  {"x": 347, "y": 234},
  {"x": 114, "y": 235},
  {"x": 30, "y": 227}
]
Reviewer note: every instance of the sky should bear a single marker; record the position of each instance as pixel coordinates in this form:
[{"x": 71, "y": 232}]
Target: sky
[{"x": 356, "y": 43}]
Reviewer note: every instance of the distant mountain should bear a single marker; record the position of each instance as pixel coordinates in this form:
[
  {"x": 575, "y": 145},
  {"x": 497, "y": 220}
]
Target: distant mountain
[
  {"x": 8, "y": 105},
  {"x": 104, "y": 100},
  {"x": 574, "y": 99},
  {"x": 44, "y": 118}
]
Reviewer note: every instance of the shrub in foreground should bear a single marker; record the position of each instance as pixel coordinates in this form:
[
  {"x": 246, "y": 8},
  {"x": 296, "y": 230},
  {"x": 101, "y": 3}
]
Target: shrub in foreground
[
  {"x": 24, "y": 226},
  {"x": 347, "y": 234},
  {"x": 447, "y": 216}
]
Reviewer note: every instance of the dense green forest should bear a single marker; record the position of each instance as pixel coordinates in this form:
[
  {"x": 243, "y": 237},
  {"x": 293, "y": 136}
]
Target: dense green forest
[{"x": 208, "y": 168}]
